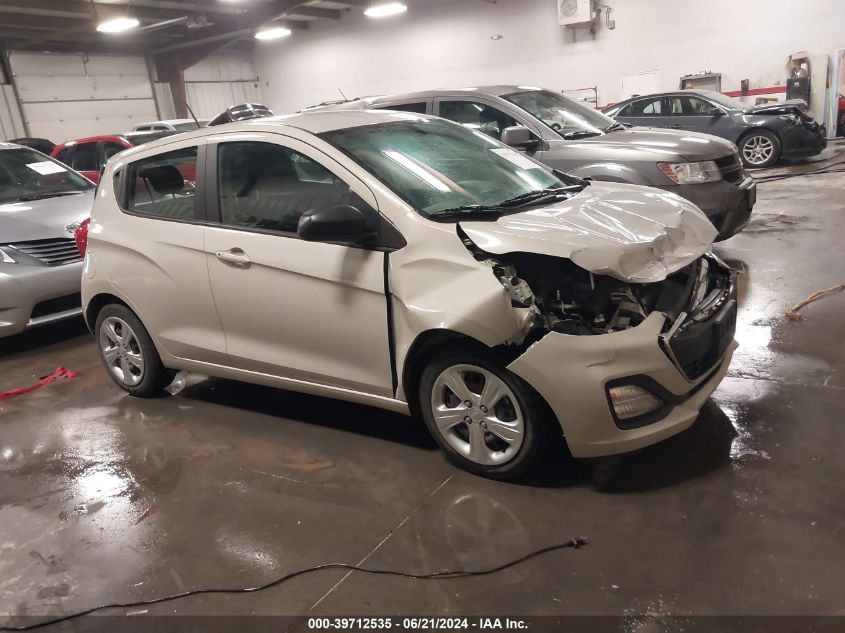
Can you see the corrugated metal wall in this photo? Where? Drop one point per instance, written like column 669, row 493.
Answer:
column 11, row 123
column 68, row 96
column 220, row 81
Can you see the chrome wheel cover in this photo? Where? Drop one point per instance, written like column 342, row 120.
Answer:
column 757, row 150
column 121, row 351
column 477, row 414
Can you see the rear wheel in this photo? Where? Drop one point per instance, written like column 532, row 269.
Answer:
column 486, row 419
column 128, row 353
column 759, row 148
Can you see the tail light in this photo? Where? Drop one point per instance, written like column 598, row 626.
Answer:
column 81, row 236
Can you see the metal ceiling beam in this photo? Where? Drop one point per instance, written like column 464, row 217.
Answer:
column 51, row 8
column 315, row 12
column 244, row 24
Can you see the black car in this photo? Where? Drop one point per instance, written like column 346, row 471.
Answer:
column 763, row 133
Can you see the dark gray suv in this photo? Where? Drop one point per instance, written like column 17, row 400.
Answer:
column 579, row 140
column 763, row 133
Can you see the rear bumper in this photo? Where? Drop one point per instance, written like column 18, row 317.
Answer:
column 572, row 374
column 728, row 205
column 23, row 287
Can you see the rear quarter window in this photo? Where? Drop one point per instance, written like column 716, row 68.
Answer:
column 163, row 186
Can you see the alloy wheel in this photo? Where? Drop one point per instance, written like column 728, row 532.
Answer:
column 758, row 150
column 477, row 414
column 121, row 351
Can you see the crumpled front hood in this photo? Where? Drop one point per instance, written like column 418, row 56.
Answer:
column 43, row 219
column 634, row 234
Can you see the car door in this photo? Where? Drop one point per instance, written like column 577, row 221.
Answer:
column 649, row 111
column 307, row 311
column 155, row 254
column 700, row 115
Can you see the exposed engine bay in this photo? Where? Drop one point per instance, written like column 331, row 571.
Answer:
column 568, row 299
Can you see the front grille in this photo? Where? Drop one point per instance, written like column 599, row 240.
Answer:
column 731, row 168
column 54, row 306
column 56, row 252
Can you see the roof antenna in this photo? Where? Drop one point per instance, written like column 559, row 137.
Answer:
column 342, row 95
column 194, row 116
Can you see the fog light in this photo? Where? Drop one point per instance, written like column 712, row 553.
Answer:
column 631, row 401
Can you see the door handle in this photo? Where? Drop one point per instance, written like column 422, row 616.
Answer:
column 233, row 256
column 676, row 126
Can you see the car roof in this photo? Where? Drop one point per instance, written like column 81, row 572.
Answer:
column 313, row 122
column 670, row 93
column 490, row 91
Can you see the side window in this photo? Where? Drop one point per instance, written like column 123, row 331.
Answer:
column 678, row 106
column 645, row 107
column 85, row 157
column 163, row 186
column 700, row 107
column 477, row 116
column 65, row 156
column 110, row 149
column 418, row 107
column 267, row 186
column 142, row 128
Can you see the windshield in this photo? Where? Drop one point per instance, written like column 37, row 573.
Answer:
column 435, row 165
column 29, row 175
column 566, row 117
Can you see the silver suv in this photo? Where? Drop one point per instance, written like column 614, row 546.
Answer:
column 577, row 139
column 408, row 263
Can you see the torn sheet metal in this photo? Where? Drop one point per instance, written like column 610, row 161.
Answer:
column 633, row 234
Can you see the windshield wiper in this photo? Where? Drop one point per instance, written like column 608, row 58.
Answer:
column 580, row 134
column 617, row 126
column 541, row 195
column 47, row 194
column 468, row 211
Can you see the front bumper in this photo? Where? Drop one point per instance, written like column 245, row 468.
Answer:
column 24, row 287
column 802, row 140
column 572, row 374
column 728, row 205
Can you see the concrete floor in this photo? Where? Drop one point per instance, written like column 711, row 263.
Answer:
column 108, row 498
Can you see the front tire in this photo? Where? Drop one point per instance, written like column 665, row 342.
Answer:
column 760, row 148
column 486, row 419
column 128, row 353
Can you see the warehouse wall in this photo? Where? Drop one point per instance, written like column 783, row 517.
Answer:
column 220, row 81
column 441, row 43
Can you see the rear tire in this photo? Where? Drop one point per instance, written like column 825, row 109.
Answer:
column 128, row 353
column 486, row 419
column 760, row 148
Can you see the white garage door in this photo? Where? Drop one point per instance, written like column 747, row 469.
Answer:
column 69, row 96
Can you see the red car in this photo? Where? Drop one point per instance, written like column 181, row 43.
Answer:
column 89, row 155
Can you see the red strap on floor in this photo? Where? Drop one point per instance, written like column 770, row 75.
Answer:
column 61, row 372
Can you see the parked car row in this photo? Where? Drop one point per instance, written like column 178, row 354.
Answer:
column 453, row 255
column 574, row 138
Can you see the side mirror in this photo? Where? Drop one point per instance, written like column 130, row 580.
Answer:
column 339, row 223
column 519, row 136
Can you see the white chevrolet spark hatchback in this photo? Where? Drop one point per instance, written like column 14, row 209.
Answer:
column 410, row 263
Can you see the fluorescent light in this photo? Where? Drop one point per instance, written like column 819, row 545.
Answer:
column 273, row 33
column 118, row 25
column 385, row 8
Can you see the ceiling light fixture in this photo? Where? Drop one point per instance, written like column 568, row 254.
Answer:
column 384, row 9
column 273, row 33
column 118, row 25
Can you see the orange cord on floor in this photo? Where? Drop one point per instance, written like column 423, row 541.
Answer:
column 792, row 313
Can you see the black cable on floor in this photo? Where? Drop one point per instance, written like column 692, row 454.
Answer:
column 437, row 575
